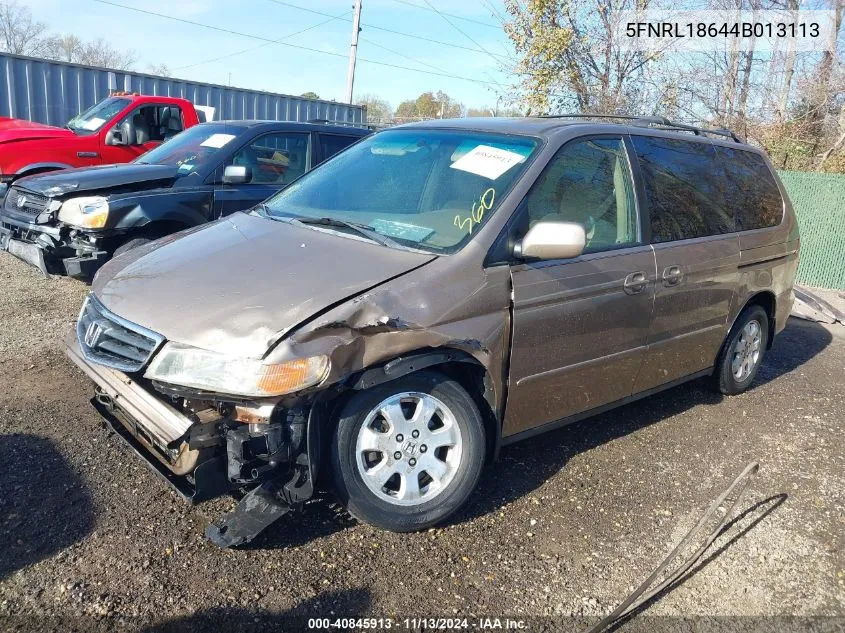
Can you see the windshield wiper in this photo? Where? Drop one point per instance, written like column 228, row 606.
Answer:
column 361, row 229
column 262, row 210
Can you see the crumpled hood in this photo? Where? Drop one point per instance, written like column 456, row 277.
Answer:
column 19, row 130
column 238, row 285
column 59, row 183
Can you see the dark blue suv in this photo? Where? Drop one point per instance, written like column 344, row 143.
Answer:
column 72, row 221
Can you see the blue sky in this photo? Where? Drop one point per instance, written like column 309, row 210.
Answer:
column 184, row 48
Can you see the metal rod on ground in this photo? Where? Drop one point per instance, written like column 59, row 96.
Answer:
column 637, row 598
column 353, row 51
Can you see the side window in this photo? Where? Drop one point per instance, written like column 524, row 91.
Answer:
column 331, row 144
column 684, row 187
column 154, row 123
column 588, row 182
column 751, row 189
column 169, row 121
column 275, row 159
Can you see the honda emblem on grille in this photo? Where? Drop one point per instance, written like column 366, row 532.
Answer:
column 21, row 202
column 92, row 334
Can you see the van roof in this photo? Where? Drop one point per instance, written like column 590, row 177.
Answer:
column 305, row 126
column 547, row 126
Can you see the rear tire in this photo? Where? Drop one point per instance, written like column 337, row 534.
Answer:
column 743, row 352
column 408, row 453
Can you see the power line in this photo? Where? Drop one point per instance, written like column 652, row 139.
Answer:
column 387, row 30
column 255, row 48
column 493, row 11
column 289, row 45
column 451, row 15
column 390, row 50
column 459, row 29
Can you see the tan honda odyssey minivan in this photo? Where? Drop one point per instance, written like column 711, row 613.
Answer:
column 435, row 291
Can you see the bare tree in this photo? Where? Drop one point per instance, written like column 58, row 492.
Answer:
column 101, row 53
column 789, row 68
column 162, row 70
column 65, row 48
column 820, row 94
column 20, row 34
column 570, row 54
column 378, row 109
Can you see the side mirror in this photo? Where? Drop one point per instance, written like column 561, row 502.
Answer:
column 553, row 240
column 237, row 175
column 115, row 137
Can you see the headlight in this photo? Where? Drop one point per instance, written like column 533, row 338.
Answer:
column 88, row 212
column 209, row 371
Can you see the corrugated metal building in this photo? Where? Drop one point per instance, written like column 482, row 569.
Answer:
column 53, row 92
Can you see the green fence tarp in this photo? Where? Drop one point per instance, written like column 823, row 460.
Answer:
column 819, row 201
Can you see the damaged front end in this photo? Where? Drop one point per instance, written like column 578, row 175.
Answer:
column 205, row 447
column 30, row 231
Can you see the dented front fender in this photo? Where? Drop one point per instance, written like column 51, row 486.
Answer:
column 439, row 306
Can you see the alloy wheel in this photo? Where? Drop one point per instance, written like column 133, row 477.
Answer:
column 409, row 448
column 746, row 351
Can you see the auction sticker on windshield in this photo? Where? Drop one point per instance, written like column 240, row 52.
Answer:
column 217, row 140
column 488, row 162
column 93, row 124
column 402, row 230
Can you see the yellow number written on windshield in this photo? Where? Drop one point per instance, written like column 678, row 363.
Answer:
column 479, row 208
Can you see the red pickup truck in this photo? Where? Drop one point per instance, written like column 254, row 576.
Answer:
column 116, row 130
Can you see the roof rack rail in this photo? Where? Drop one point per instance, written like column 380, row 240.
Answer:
column 342, row 123
column 647, row 121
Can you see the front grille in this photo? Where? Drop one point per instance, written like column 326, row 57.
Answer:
column 109, row 340
column 21, row 201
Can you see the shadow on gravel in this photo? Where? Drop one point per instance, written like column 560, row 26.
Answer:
column 526, row 465
column 44, row 506
column 320, row 517
column 744, row 522
column 353, row 603
column 798, row 343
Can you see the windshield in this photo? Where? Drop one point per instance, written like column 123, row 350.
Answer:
column 194, row 148
column 97, row 116
column 429, row 189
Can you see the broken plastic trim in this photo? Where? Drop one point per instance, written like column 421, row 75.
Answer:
column 409, row 363
column 275, row 497
column 254, row 513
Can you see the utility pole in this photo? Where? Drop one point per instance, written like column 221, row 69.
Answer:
column 353, row 51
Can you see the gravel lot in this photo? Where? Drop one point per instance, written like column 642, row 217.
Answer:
column 565, row 524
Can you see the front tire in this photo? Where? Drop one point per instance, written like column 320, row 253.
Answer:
column 408, row 453
column 743, row 351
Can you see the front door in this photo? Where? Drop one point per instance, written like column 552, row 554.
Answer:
column 580, row 326
column 274, row 161
column 141, row 130
column 697, row 253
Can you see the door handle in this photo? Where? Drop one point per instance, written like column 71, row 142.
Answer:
column 635, row 282
column 672, row 276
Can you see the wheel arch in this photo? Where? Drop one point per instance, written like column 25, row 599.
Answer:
column 766, row 300
column 456, row 364
column 39, row 168
column 164, row 226
column 150, row 230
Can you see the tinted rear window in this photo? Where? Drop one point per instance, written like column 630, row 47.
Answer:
column 331, row 144
column 684, row 187
column 751, row 189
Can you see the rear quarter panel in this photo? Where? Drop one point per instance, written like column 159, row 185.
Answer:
column 769, row 261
